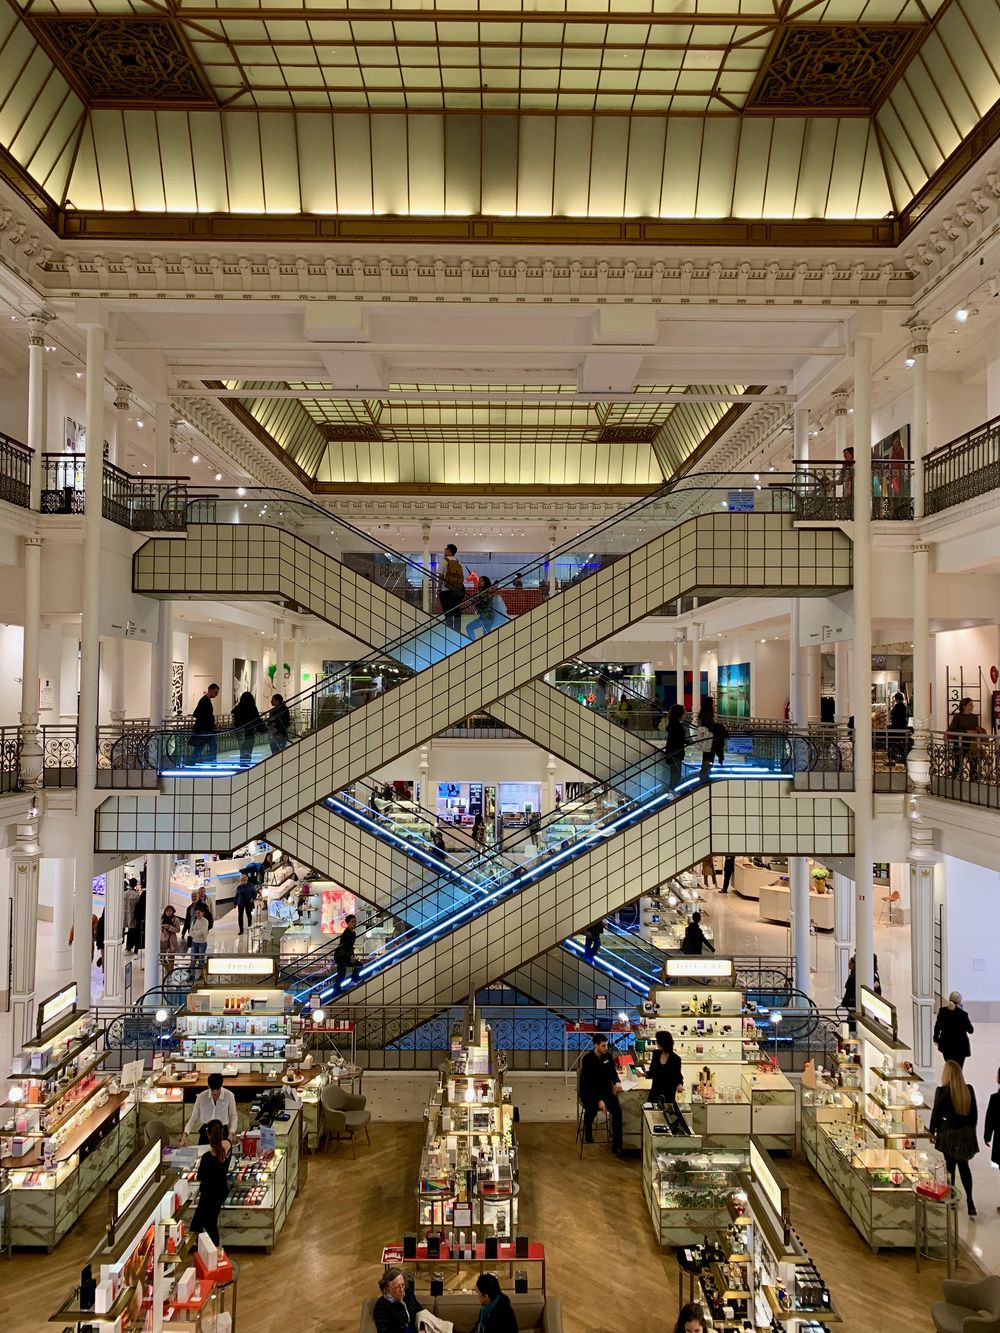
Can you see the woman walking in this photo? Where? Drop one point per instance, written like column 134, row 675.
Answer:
column 170, row 924
column 952, row 1030
column 953, row 1125
column 246, row 723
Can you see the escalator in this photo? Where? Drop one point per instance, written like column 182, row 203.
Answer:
column 756, row 553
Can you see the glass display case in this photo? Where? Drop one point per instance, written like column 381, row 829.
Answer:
column 687, row 1187
column 664, row 915
column 468, row 1165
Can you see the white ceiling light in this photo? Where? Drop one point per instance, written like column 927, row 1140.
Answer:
column 218, row 476
column 241, row 490
column 961, row 315
column 196, row 458
column 909, row 363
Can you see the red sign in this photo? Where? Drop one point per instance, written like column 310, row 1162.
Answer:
column 994, row 675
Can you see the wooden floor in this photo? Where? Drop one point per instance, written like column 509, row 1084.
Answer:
column 602, row 1259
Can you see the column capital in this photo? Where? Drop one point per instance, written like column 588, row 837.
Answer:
column 37, row 321
column 920, row 548
column 919, row 337
column 123, row 397
column 840, row 401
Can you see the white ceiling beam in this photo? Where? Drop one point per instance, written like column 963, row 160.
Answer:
column 602, row 373
column 476, row 396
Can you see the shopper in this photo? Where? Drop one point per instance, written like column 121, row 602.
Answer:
column 691, row 1320
column 728, row 870
column 953, row 1125
column 203, row 729
column 343, row 954
column 676, row 743
column 139, row 920
column 199, row 898
column 170, row 926
column 247, row 724
column 491, row 607
column 666, row 1074
column 397, row 1310
column 592, row 940
column 847, row 474
column 952, row 1030
column 598, row 1091
column 213, row 1179
column 849, row 999
column 246, row 896
column 695, row 941
column 991, row 1127
column 279, row 723
column 496, row 1314
column 438, row 849
column 709, row 737
column 214, row 1103
column 479, row 832
column 899, row 729
column 198, row 935
column 962, row 725
column 452, row 590
column 129, row 916
column 708, row 872
column 98, row 940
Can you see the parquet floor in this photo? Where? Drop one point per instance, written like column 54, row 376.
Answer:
column 602, row 1259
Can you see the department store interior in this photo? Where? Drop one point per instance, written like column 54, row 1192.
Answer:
column 500, row 666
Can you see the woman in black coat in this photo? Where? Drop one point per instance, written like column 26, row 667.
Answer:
column 953, row 1126
column 213, row 1177
column 247, row 723
column 496, row 1314
column 991, row 1126
column 952, row 1030
column 676, row 744
column 665, row 1072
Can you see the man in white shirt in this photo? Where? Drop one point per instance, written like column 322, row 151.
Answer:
column 215, row 1103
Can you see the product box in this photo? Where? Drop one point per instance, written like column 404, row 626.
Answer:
column 208, row 1251
column 104, row 1297
column 186, row 1286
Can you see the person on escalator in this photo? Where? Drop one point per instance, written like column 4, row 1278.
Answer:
column 279, row 723
column 203, row 728
column 695, row 941
column 676, row 744
column 592, row 940
column 711, row 737
column 343, row 955
column 452, row 590
column 247, row 722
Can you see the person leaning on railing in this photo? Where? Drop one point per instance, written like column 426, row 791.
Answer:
column 964, row 732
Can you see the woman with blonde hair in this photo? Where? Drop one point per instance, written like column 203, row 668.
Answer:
column 953, row 1126
column 952, row 1029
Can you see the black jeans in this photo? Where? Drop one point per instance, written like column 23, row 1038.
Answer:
column 728, row 867
column 451, row 601
column 244, row 912
column 342, row 967
column 614, row 1111
column 965, row 1174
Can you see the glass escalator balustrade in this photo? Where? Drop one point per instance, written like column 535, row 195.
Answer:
column 458, row 893
column 178, row 752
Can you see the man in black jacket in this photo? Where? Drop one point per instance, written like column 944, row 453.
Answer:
column 397, row 1309
column 599, row 1089
column 343, row 954
column 203, row 730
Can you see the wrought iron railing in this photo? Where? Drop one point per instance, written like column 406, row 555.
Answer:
column 10, row 759
column 965, row 766
column 827, row 490
column 964, row 467
column 141, row 503
column 15, row 472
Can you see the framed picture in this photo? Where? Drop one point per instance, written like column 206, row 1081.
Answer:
column 244, row 677
column 890, row 455
column 734, row 690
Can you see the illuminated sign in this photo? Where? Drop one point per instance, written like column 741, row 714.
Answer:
column 137, row 1180
column 770, row 1184
column 711, row 969
column 223, row 966
column 877, row 1010
column 57, row 1005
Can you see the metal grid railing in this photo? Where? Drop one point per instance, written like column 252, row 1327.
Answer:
column 140, row 503
column 827, row 491
column 963, row 468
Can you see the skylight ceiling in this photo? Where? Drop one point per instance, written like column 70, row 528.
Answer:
column 336, row 444
column 658, row 109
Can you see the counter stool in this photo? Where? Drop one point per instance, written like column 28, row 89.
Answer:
column 580, row 1137
column 936, row 1229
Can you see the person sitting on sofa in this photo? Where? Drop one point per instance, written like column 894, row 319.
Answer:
column 497, row 1314
column 397, row 1309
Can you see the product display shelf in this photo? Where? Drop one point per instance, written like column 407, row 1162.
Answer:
column 263, row 1183
column 468, row 1165
column 665, row 914
column 687, row 1185
column 148, row 1274
column 460, row 1270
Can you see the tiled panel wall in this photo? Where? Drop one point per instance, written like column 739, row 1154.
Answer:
column 712, row 554
column 732, row 816
column 560, row 980
column 581, row 737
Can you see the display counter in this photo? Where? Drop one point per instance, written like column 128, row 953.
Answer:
column 687, row 1187
column 775, row 905
column 749, row 879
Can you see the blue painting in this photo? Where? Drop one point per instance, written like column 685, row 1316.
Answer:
column 734, row 690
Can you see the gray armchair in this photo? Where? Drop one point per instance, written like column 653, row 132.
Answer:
column 344, row 1114
column 535, row 1313
column 968, row 1307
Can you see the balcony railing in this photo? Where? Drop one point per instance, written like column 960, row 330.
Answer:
column 827, row 492
column 141, row 503
column 963, row 468
column 15, row 472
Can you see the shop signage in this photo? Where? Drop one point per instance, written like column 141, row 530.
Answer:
column 57, row 1006
column 740, row 502
column 770, row 1183
column 876, row 1010
column 223, row 965
column 136, row 1181
column 694, row 969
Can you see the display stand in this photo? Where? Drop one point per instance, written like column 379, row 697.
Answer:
column 863, row 1129
column 665, row 914
column 67, row 1127
column 687, row 1187
column 460, row 1272
column 937, row 1218
column 468, row 1166
column 149, row 1273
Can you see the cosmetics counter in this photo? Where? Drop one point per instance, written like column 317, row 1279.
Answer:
column 687, row 1187
column 665, row 914
column 150, row 1273
column 755, row 1273
column 864, row 1131
column 66, row 1126
column 468, row 1166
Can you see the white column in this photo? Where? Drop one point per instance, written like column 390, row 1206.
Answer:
column 24, row 858
column 993, row 373
column 796, row 676
column 116, row 654
column 296, row 684
column 842, row 682
column 922, row 860
column 861, row 685
column 279, row 659
column 679, row 667
column 59, row 873
column 427, row 591
column 123, row 397
column 843, row 927
column 163, row 653
column 800, row 432
column 31, row 750
column 90, row 650
column 918, row 759
column 114, row 946
column 550, row 785
column 813, row 683
column 695, row 632
column 840, row 416
column 157, row 897
column 798, row 866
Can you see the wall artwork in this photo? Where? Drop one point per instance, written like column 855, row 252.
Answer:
column 176, row 689
column 734, row 690
column 244, row 677
column 890, row 455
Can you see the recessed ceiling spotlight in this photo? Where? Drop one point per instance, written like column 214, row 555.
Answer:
column 218, row 476
column 961, row 315
column 909, row 363
column 196, row 458
column 140, row 424
column 241, row 490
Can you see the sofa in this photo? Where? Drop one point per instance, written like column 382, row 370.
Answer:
column 535, row 1313
column 968, row 1307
